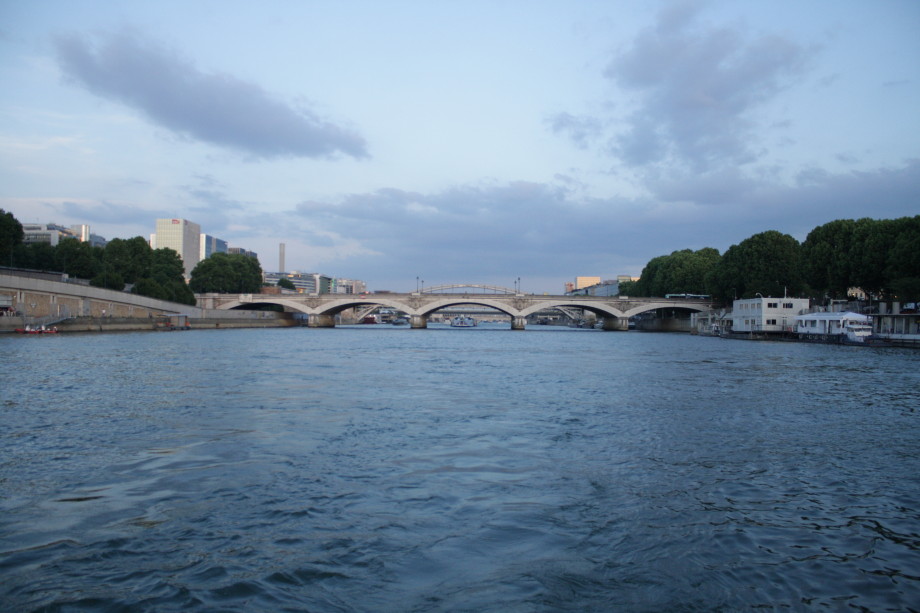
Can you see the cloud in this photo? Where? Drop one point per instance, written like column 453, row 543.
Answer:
column 583, row 130
column 104, row 212
column 211, row 107
column 537, row 230
column 696, row 89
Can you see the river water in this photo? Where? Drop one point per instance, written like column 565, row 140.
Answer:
column 379, row 468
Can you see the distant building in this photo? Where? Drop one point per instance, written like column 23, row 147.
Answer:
column 767, row 315
column 312, row 283
column 83, row 233
column 211, row 245
column 53, row 234
column 242, row 251
column 348, row 286
column 44, row 233
column 602, row 288
column 581, row 282
column 183, row 237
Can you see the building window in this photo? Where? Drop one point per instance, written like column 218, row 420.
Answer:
column 772, row 305
column 787, row 305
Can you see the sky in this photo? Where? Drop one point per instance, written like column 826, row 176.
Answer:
column 408, row 142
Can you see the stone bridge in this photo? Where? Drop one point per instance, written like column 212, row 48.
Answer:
column 321, row 310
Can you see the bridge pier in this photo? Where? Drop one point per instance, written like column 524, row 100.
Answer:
column 616, row 323
column 518, row 323
column 320, row 320
column 418, row 322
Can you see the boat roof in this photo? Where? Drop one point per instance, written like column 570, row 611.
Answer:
column 838, row 316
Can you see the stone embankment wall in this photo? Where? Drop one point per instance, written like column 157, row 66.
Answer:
column 210, row 321
column 36, row 299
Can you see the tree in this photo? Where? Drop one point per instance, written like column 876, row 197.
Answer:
column 227, row 273
column 827, row 257
column 902, row 269
column 768, row 263
column 682, row 272
column 286, row 283
column 130, row 258
column 11, row 235
column 108, row 279
column 77, row 259
column 627, row 288
column 37, row 256
column 164, row 278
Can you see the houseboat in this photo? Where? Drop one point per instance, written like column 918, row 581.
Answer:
column 843, row 327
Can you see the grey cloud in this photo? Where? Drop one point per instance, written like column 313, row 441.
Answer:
column 696, row 89
column 494, row 233
column 211, row 107
column 582, row 130
column 104, row 212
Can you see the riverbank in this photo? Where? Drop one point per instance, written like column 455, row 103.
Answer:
column 211, row 320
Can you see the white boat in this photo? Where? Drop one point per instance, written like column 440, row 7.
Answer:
column 461, row 321
column 842, row 327
column 857, row 332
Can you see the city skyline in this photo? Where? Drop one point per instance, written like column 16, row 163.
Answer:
column 482, row 142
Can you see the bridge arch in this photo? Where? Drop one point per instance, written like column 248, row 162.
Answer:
column 496, row 289
column 666, row 304
column 322, row 309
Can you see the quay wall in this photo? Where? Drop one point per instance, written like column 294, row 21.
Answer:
column 75, row 307
column 209, row 320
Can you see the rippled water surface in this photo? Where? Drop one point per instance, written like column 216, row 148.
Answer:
column 386, row 469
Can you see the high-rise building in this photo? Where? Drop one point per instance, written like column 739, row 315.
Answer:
column 211, row 245
column 281, row 257
column 182, row 236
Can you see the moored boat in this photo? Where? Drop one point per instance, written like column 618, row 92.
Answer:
column 37, row 330
column 837, row 327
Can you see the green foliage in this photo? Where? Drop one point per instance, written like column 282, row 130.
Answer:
column 682, row 272
column 108, row 279
column 11, row 236
column 286, row 283
column 769, row 263
column 226, row 274
column 78, row 259
column 164, row 278
column 130, row 258
column 881, row 257
column 902, row 267
column 628, row 288
column 37, row 256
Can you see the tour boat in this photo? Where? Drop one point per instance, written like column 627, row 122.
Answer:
column 462, row 322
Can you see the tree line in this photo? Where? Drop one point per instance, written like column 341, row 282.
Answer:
column 156, row 273
column 880, row 257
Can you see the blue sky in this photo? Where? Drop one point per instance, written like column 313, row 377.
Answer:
column 461, row 141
